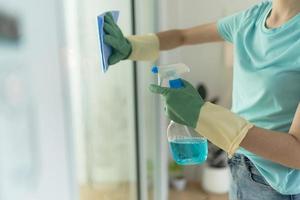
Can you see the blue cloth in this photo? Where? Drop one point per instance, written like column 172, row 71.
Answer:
column 266, row 81
column 105, row 50
column 248, row 183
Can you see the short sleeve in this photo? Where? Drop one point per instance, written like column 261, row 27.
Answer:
column 230, row 25
column 227, row 26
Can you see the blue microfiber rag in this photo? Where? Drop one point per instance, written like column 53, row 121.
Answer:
column 105, row 50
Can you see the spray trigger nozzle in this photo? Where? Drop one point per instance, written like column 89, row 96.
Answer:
column 154, row 69
column 170, row 73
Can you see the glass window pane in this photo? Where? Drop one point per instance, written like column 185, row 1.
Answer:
column 108, row 111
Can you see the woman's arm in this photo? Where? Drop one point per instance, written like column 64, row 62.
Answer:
column 282, row 148
column 278, row 147
column 147, row 47
column 195, row 35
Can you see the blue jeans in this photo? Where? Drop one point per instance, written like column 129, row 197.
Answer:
column 248, row 184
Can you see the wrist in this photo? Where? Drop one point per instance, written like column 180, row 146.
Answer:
column 144, row 47
column 222, row 127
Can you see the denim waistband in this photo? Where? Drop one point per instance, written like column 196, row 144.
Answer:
column 246, row 175
column 240, row 159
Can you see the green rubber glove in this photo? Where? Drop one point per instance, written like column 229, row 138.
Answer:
column 182, row 105
column 219, row 125
column 121, row 47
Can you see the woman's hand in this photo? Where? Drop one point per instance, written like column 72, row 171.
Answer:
column 220, row 126
column 121, row 47
column 182, row 105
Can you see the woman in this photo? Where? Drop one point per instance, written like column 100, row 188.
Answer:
column 266, row 92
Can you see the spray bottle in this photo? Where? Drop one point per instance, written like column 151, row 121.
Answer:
column 186, row 145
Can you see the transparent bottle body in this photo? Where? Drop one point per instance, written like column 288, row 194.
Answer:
column 186, row 145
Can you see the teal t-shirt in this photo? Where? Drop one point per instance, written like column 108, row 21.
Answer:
column 266, row 81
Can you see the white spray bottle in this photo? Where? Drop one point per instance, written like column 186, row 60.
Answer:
column 187, row 146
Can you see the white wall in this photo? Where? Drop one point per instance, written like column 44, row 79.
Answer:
column 207, row 60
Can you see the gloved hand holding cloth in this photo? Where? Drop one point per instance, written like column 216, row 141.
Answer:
column 136, row 47
column 219, row 125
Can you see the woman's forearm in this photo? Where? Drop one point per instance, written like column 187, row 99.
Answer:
column 170, row 39
column 283, row 148
column 196, row 35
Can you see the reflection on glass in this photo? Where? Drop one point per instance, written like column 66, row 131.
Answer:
column 9, row 28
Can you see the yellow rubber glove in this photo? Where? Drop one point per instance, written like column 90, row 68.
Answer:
column 222, row 127
column 144, row 47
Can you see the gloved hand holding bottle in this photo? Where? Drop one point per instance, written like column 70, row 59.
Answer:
column 219, row 125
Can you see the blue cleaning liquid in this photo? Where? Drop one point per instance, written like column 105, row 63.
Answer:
column 189, row 151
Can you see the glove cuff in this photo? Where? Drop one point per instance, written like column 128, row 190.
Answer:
column 222, row 127
column 144, row 47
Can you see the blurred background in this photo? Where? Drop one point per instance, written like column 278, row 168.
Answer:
column 68, row 131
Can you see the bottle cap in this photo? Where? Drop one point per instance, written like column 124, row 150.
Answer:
column 176, row 83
